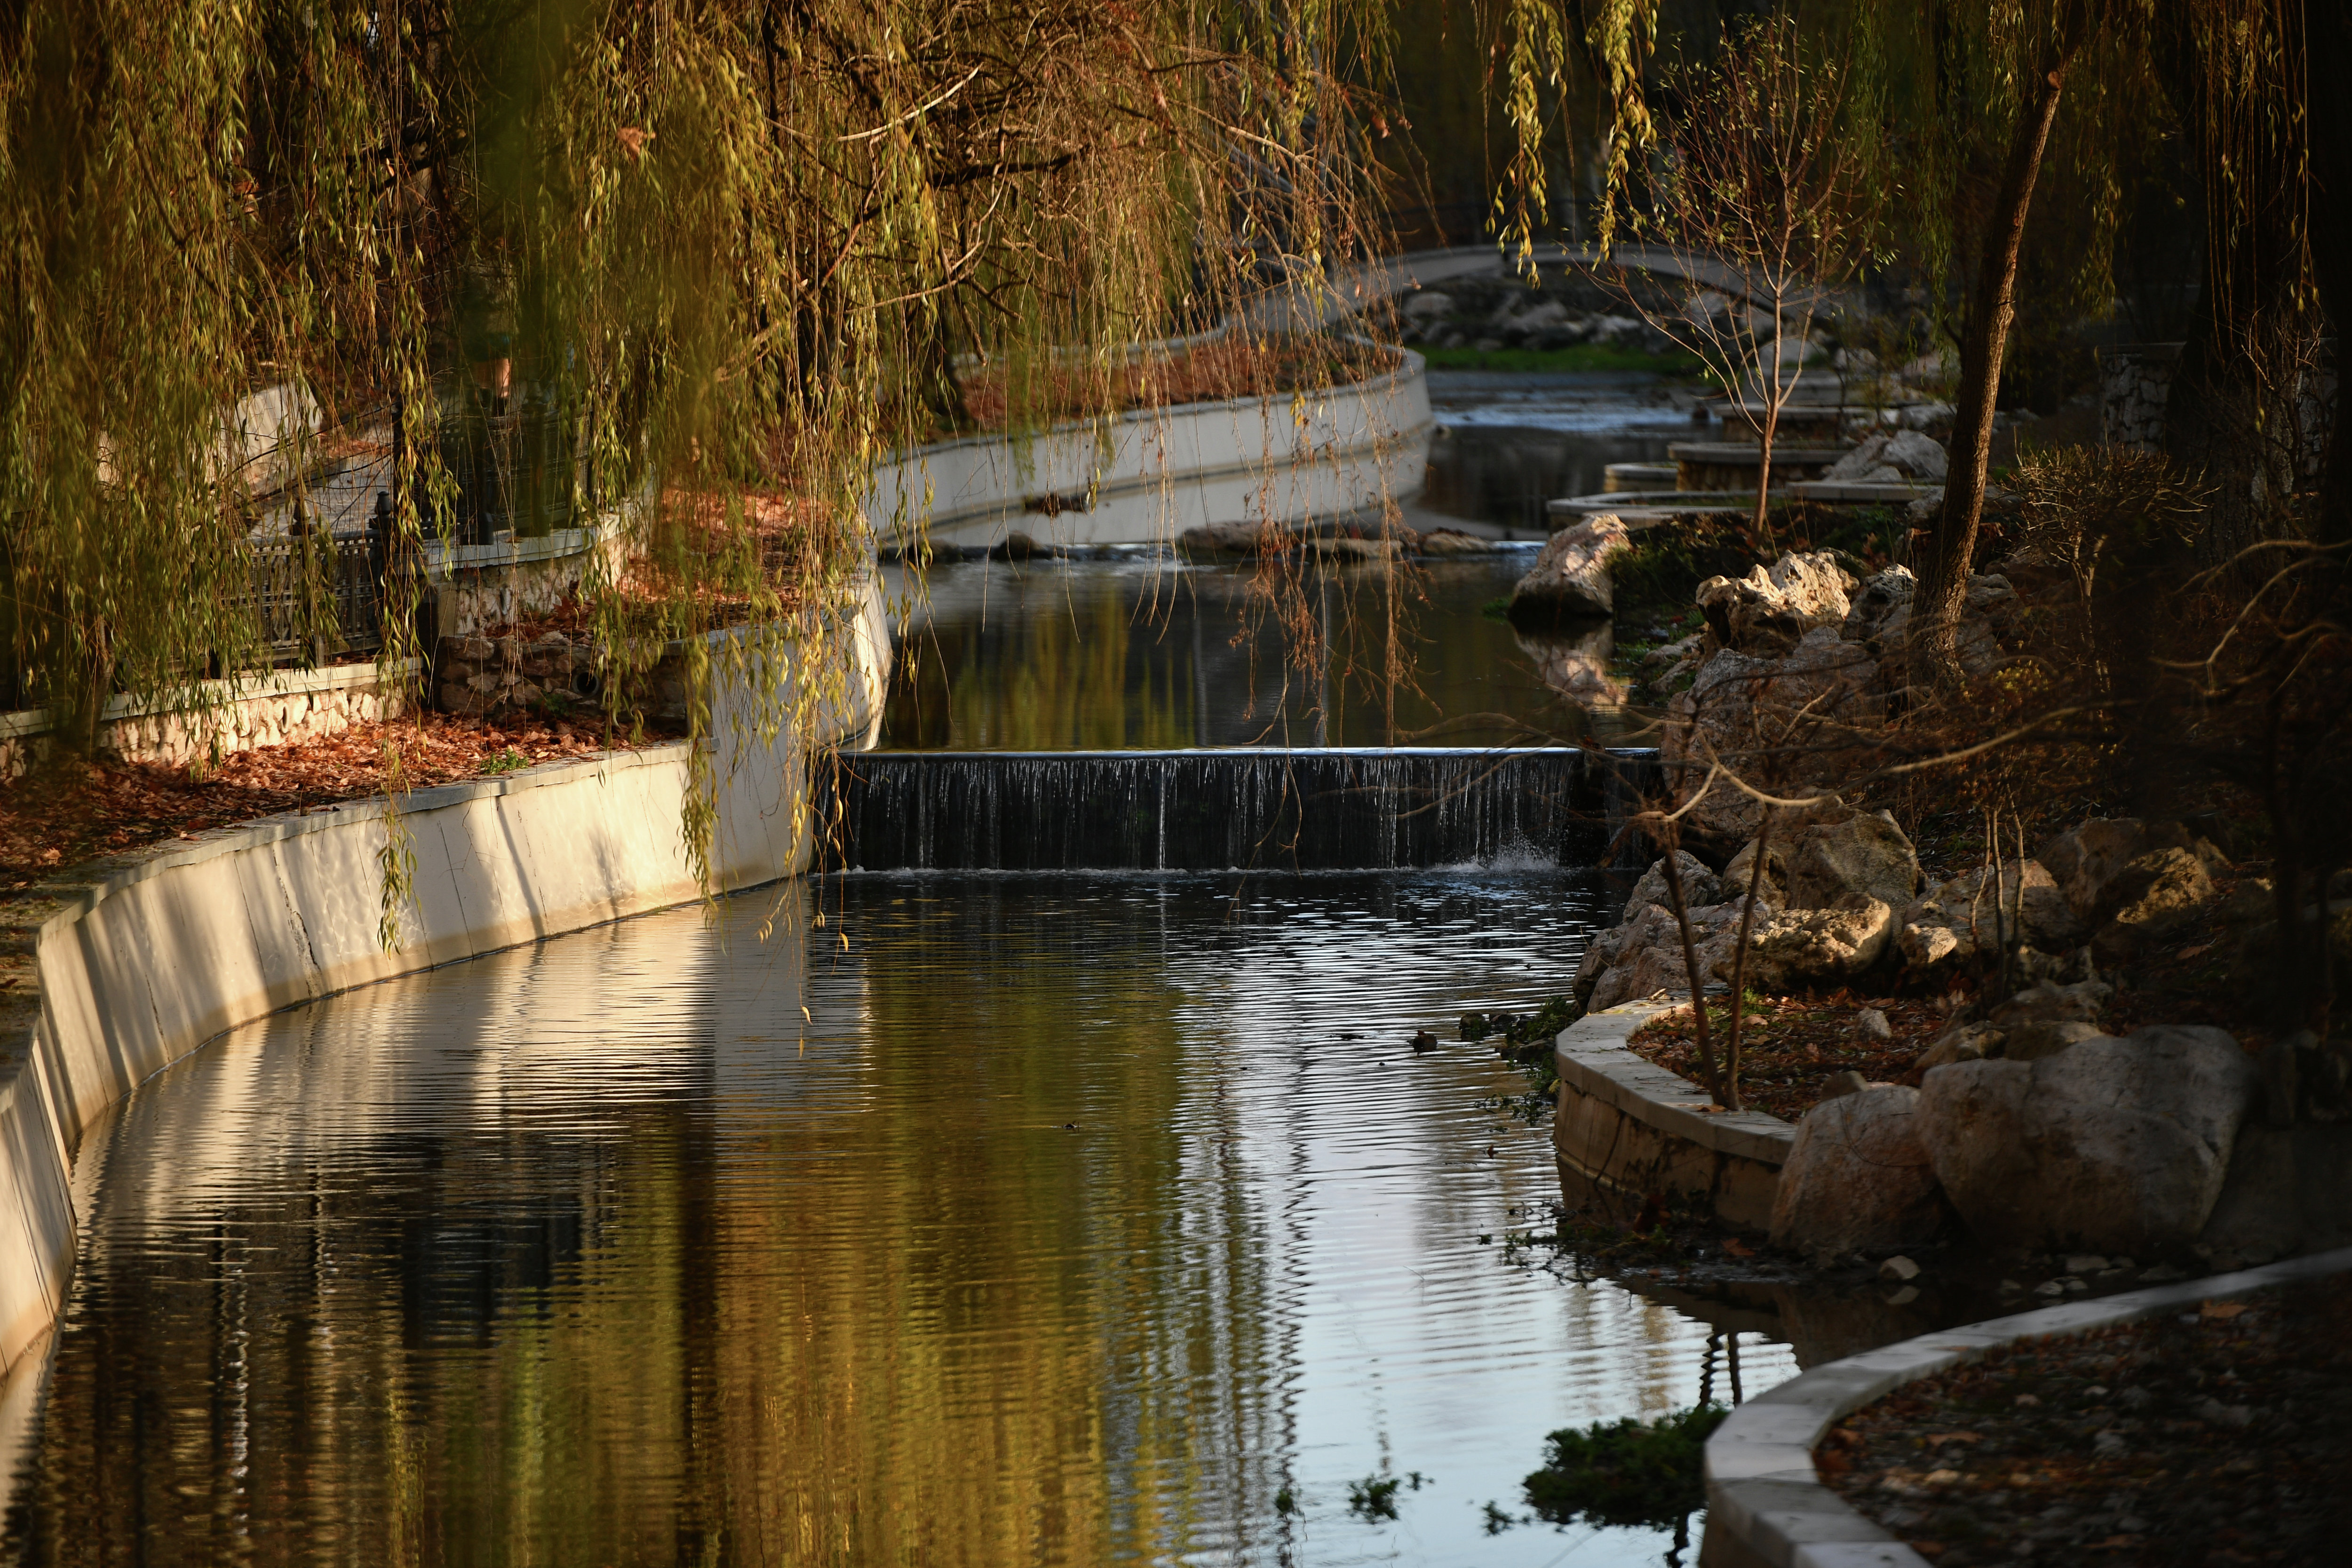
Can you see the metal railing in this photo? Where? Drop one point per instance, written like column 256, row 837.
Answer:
column 317, row 595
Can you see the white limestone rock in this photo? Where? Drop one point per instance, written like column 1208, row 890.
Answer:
column 1797, row 947
column 1569, row 580
column 1770, row 609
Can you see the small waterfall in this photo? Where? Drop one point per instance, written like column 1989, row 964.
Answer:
column 1219, row 810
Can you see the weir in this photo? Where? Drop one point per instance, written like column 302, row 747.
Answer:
column 1236, row 809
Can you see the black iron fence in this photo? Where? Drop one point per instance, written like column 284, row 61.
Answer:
column 316, row 596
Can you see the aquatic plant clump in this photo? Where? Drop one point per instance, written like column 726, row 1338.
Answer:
column 1626, row 1472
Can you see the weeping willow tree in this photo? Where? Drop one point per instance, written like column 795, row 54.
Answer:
column 743, row 250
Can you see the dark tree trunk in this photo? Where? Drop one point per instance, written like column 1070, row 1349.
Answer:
column 1983, row 345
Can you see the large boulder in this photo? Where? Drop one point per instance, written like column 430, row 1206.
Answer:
column 1713, row 720
column 1644, row 954
column 2091, row 861
column 1793, row 947
column 2155, row 897
column 1770, row 609
column 1988, row 615
column 1865, row 855
column 1700, row 885
column 1570, row 581
column 2111, row 1145
column 1778, row 722
column 1826, row 690
column 1774, row 888
column 1857, row 1177
column 1953, row 926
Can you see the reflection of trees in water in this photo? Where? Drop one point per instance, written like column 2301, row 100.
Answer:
column 1507, row 474
column 578, row 1299
column 1077, row 657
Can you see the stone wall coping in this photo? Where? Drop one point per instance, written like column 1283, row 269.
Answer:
column 552, row 545
column 1770, row 1505
column 258, row 686
column 1592, row 1059
column 1409, row 364
column 46, row 908
column 1146, row 474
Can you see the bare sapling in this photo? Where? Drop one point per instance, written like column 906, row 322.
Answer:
column 1984, row 343
column 1765, row 203
column 1663, row 833
column 1730, row 1096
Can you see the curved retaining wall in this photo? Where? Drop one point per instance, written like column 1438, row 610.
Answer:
column 1632, row 1128
column 1766, row 1505
column 1151, row 473
column 106, row 980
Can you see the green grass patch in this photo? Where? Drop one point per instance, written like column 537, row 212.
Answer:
column 1628, row 1473
column 1584, row 358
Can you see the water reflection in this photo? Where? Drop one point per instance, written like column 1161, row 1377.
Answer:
column 1144, row 652
column 1026, row 1221
column 1505, row 445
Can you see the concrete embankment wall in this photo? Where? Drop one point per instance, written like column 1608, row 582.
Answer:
column 1151, row 474
column 122, row 968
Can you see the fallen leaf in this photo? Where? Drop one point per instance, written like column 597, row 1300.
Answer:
column 1954, row 1437
column 2221, row 1309
column 1736, row 1250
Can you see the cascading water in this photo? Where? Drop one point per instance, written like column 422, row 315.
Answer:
column 1221, row 810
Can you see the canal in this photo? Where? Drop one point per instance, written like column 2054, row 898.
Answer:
column 907, row 1215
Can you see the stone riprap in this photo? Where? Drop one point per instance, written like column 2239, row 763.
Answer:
column 484, row 676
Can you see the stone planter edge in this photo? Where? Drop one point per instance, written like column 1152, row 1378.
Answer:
column 1739, row 1153
column 1768, row 1506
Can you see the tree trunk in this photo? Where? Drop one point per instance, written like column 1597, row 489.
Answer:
column 1982, row 345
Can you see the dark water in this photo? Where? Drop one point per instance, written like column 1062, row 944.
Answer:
column 1147, row 652
column 1018, row 1221
column 1505, row 445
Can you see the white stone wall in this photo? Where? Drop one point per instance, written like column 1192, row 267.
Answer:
column 273, row 709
